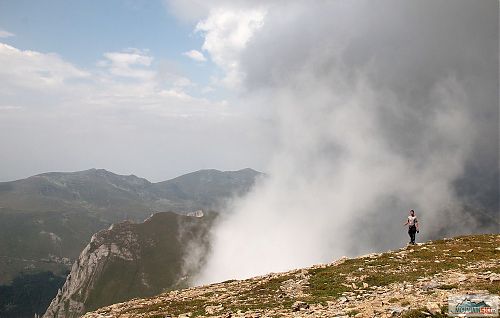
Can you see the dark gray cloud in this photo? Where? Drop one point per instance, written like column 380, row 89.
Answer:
column 379, row 107
column 402, row 47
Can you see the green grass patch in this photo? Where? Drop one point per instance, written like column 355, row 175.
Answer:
column 352, row 313
column 410, row 265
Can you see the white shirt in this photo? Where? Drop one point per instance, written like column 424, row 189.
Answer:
column 412, row 220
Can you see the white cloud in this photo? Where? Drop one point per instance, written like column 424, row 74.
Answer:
column 131, row 63
column 10, row 108
column 35, row 70
column 183, row 82
column 227, row 32
column 195, row 55
column 188, row 11
column 130, row 115
column 207, row 89
column 6, row 34
column 192, row 11
column 124, row 80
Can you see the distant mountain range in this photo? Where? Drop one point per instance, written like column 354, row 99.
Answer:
column 114, row 197
column 46, row 220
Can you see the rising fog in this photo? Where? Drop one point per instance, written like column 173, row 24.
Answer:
column 378, row 107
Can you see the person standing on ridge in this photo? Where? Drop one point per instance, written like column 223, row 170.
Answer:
column 412, row 223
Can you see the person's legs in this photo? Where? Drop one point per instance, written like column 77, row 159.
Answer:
column 412, row 230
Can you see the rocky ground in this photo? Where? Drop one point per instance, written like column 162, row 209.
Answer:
column 414, row 281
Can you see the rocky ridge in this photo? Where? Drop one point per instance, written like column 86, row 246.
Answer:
column 414, row 281
column 130, row 260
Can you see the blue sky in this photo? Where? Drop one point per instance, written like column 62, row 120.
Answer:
column 82, row 31
column 129, row 86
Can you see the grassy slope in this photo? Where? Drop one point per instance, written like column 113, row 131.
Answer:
column 326, row 283
column 28, row 238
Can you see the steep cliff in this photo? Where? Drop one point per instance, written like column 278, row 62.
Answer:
column 133, row 260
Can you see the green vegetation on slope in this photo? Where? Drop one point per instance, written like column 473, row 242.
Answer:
column 46, row 220
column 42, row 241
column 28, row 294
column 421, row 261
column 401, row 282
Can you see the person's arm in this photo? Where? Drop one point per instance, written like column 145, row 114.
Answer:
column 407, row 221
column 416, row 224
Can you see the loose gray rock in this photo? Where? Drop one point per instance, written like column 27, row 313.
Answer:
column 300, row 305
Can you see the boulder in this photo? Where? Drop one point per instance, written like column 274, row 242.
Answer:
column 300, row 305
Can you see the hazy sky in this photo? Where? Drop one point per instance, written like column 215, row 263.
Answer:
column 120, row 85
column 161, row 88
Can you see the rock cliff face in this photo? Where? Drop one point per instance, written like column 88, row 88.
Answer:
column 414, row 281
column 131, row 260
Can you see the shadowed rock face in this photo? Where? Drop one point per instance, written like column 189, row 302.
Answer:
column 133, row 260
